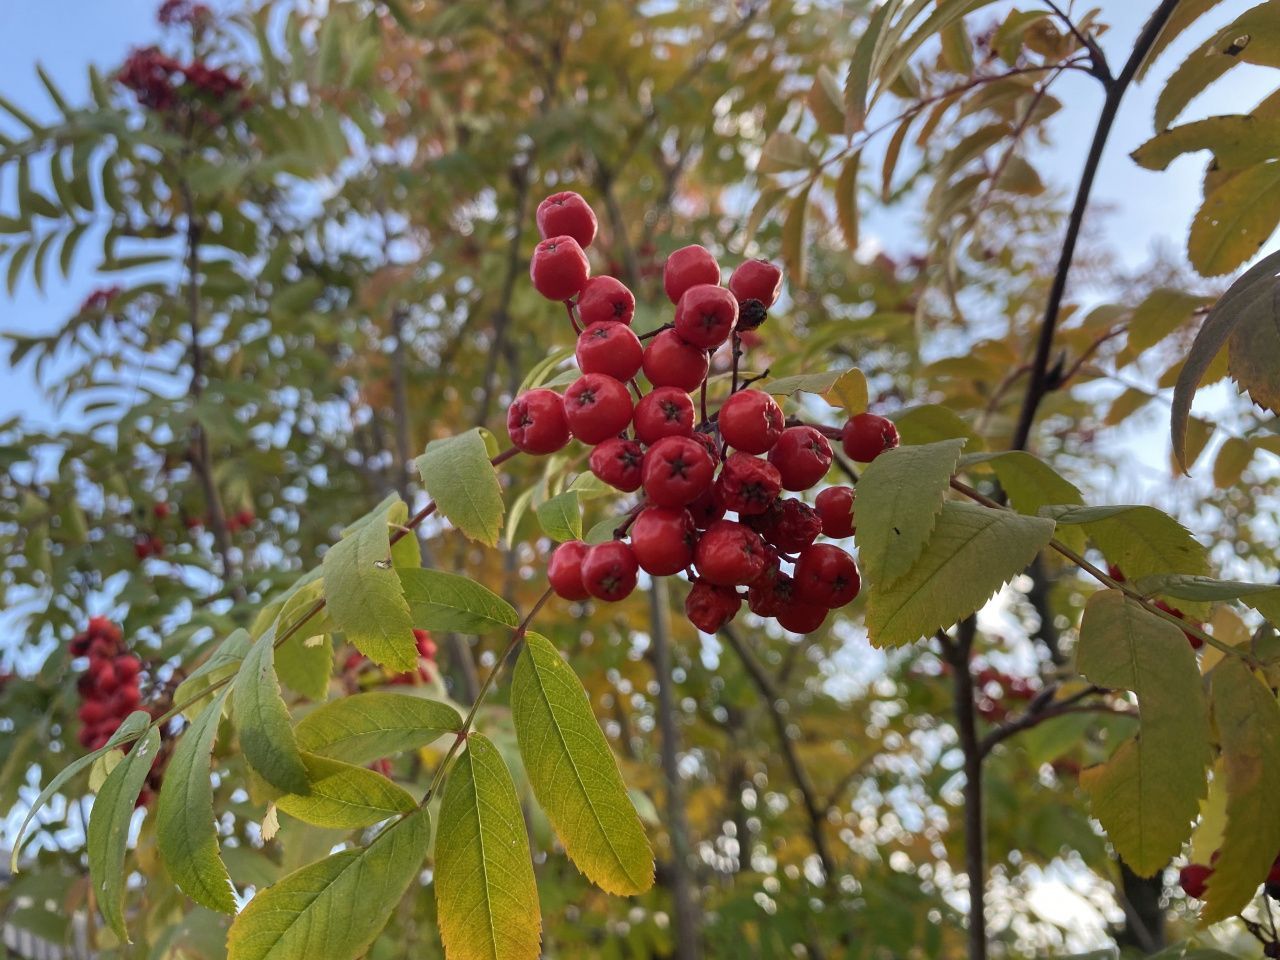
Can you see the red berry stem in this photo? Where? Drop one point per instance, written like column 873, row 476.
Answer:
column 573, row 317
column 628, row 519
column 653, row 333
column 635, row 388
column 702, row 399
column 737, row 354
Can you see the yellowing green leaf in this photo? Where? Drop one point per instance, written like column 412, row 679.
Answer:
column 793, row 229
column 262, row 720
column 848, row 392
column 825, row 102
column 1148, row 792
column 1247, row 717
column 185, row 829
column 783, row 152
column 337, row 905
column 1031, row 485
column 463, row 483
column 345, row 796
column 900, row 495
column 846, row 200
column 365, row 597
column 108, row 833
column 1141, row 540
column 486, row 897
column 1236, row 219
column 972, row 552
column 1236, row 141
column 930, row 422
column 574, row 774
column 1249, row 300
column 451, row 603
column 1230, row 464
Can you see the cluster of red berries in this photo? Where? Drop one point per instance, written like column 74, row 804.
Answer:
column 656, row 442
column 173, row 13
column 108, row 688
column 98, row 300
column 148, row 543
column 1118, row 576
column 1194, row 878
column 995, row 689
column 162, row 83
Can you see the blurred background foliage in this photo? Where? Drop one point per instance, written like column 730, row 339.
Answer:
column 312, row 263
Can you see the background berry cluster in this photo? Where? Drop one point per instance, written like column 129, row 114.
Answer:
column 712, row 478
column 109, row 688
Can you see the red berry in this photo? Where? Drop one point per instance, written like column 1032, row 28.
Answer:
column 161, row 510
column 1273, row 877
column 105, row 678
column 827, row 576
column 770, row 594
column 729, row 554
column 606, row 300
column 564, row 570
column 1194, row 879
column 790, row 525
column 662, row 539
column 688, row 267
column 670, row 362
column 800, row 617
column 611, row 349
column 425, row 643
column 609, row 570
column 866, row 436
column 92, row 712
column 128, row 667
column 597, row 406
column 664, row 412
column 125, row 699
column 756, row 280
column 104, row 628
column 751, row 421
column 79, row 645
column 567, row 215
column 618, row 462
column 802, row 456
column 835, row 506
column 676, row 472
column 709, row 444
column 559, row 268
column 706, row 315
column 536, row 422
column 747, row 484
column 706, row 510
column 709, row 607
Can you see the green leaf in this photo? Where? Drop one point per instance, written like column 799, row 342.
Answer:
column 108, row 833
column 857, row 82
column 486, row 896
column 463, row 483
column 900, row 495
column 542, row 371
column 846, row 200
column 337, row 905
column 366, row 599
column 574, row 774
column 225, row 661
column 305, row 661
column 1032, row 485
column 369, row 726
column 1141, row 540
column 1247, row 717
column 1234, row 456
column 1160, row 314
column 930, row 422
column 561, row 516
column 453, row 604
column 1250, row 300
column 185, row 827
column 971, row 554
column 1265, row 598
column 1149, row 791
column 345, row 796
column 817, row 383
column 1236, row 220
column 130, row 729
column 262, row 720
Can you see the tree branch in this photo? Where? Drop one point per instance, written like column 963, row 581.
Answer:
column 816, row 811
column 1040, row 384
column 683, row 893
